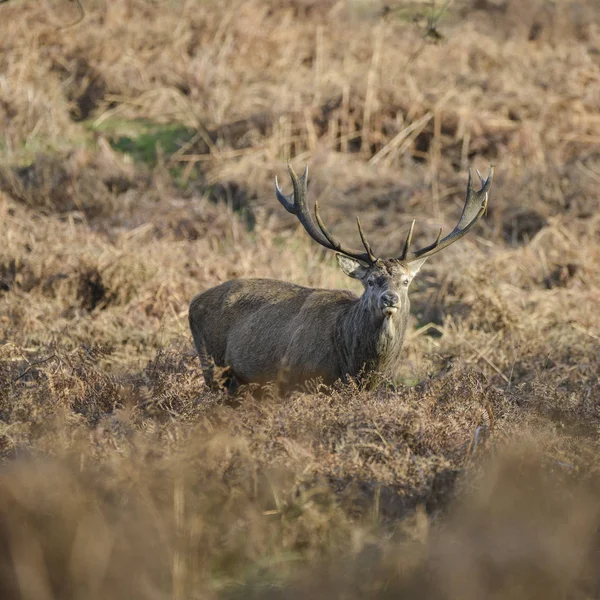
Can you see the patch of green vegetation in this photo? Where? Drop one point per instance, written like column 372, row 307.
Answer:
column 141, row 139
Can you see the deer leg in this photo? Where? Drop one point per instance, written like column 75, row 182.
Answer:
column 233, row 385
column 208, row 366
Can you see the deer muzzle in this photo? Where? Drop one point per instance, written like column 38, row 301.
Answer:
column 389, row 303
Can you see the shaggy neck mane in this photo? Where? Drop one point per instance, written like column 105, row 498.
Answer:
column 364, row 338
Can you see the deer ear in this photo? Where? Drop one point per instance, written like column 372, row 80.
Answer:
column 415, row 266
column 351, row 267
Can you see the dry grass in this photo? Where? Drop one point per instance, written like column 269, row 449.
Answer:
column 138, row 152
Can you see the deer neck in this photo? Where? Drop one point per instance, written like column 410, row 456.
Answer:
column 365, row 338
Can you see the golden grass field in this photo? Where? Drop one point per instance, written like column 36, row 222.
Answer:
column 139, row 145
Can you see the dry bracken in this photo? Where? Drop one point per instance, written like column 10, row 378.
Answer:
column 138, row 149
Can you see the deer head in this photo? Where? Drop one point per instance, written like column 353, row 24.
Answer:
column 386, row 280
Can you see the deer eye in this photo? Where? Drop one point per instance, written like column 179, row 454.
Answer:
column 405, row 282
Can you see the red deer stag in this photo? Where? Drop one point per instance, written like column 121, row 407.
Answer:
column 265, row 330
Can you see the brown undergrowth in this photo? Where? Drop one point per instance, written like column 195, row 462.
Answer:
column 138, row 152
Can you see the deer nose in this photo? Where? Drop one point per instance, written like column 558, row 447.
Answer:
column 390, row 299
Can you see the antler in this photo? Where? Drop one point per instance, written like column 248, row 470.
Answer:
column 295, row 203
column 475, row 206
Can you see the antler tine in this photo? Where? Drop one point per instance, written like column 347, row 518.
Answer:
column 475, row 206
column 295, row 203
column 366, row 244
column 407, row 242
column 366, row 257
